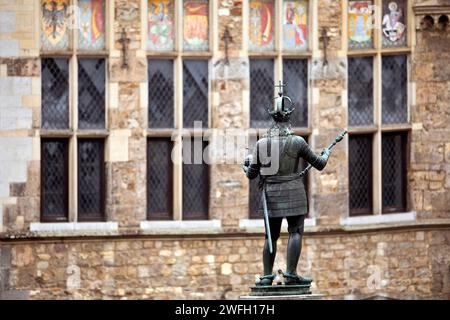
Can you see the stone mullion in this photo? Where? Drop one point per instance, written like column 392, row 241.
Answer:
column 376, row 148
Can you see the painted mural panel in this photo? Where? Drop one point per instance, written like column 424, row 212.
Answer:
column 295, row 25
column 360, row 24
column 261, row 25
column 393, row 23
column 161, row 25
column 54, row 25
column 195, row 25
column 91, row 32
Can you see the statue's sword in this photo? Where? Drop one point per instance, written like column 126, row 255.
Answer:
column 266, row 219
column 338, row 138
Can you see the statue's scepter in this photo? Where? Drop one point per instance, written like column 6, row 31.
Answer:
column 338, row 138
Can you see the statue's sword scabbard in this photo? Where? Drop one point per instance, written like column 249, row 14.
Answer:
column 266, row 219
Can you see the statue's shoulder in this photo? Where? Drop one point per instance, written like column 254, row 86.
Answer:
column 297, row 141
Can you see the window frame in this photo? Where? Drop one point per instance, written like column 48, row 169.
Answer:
column 73, row 133
column 176, row 133
column 378, row 128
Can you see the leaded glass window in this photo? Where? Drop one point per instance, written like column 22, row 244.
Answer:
column 91, row 93
column 195, row 92
column 54, row 178
column 160, row 94
column 261, row 25
column 360, row 91
column 161, row 25
column 159, row 178
column 54, row 25
column 55, row 93
column 195, row 179
column 360, row 24
column 261, row 91
column 91, row 180
column 394, row 171
column 91, row 32
column 394, row 23
column 295, row 76
column 295, row 25
column 394, row 76
column 195, row 25
column 360, row 174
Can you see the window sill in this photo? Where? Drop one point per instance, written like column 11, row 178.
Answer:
column 181, row 227
column 96, row 227
column 378, row 219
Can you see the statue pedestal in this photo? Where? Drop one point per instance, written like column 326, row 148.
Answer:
column 281, row 292
column 287, row 297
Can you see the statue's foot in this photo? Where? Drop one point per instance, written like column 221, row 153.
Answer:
column 265, row 280
column 295, row 279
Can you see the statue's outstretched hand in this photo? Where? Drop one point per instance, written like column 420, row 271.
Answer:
column 325, row 153
column 248, row 159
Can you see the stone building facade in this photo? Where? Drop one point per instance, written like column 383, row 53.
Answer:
column 359, row 243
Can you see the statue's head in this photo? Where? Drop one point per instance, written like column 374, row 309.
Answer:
column 282, row 108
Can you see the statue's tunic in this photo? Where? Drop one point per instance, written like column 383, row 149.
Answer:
column 285, row 192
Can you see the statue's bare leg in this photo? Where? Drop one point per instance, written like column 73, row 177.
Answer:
column 269, row 258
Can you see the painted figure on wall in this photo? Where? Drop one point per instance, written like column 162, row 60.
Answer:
column 55, row 31
column 393, row 26
column 295, row 25
column 91, row 34
column 360, row 15
column 195, row 25
column 261, row 25
column 160, row 25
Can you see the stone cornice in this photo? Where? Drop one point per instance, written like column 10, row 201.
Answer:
column 255, row 233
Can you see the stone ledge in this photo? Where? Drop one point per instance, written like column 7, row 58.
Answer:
column 377, row 219
column 74, row 227
column 180, row 226
column 212, row 230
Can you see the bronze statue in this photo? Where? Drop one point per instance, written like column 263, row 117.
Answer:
column 275, row 160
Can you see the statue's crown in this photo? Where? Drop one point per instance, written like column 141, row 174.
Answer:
column 282, row 107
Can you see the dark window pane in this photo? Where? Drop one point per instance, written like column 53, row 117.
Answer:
column 55, row 93
column 261, row 92
column 394, row 171
column 393, row 23
column 159, row 178
column 160, row 94
column 54, row 179
column 195, row 92
column 195, row 180
column 91, row 93
column 394, row 82
column 91, row 180
column 360, row 174
column 360, row 91
column 295, row 76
